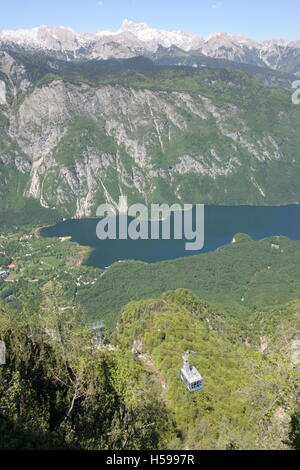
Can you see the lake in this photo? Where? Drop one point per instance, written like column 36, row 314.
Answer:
column 221, row 224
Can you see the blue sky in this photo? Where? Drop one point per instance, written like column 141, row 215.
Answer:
column 258, row 19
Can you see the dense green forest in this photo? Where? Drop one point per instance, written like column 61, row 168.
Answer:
column 240, row 278
column 61, row 390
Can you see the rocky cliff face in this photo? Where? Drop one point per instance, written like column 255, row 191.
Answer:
column 72, row 145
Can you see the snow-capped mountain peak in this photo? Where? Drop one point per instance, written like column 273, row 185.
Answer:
column 47, row 37
column 153, row 38
column 133, row 39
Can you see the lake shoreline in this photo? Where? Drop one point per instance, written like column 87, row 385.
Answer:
column 222, row 224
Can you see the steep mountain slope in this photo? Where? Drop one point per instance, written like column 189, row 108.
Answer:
column 76, row 135
column 176, row 56
column 248, row 386
column 58, row 390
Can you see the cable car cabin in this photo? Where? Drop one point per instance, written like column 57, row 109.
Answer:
column 98, row 328
column 2, row 353
column 192, row 379
column 190, row 375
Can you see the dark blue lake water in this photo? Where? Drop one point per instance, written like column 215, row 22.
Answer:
column 221, row 224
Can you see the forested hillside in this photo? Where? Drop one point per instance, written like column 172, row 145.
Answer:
column 59, row 390
column 240, row 278
column 74, row 135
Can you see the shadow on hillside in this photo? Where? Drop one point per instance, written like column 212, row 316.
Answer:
column 294, row 434
column 14, row 436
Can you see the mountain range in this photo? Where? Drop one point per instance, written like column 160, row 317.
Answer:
column 157, row 116
column 134, row 39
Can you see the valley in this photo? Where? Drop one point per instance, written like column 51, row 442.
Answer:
column 93, row 333
column 236, row 307
column 240, row 278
